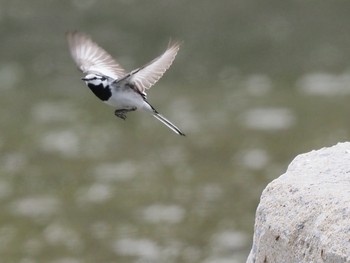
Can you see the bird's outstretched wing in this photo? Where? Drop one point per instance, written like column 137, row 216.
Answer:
column 91, row 58
column 146, row 76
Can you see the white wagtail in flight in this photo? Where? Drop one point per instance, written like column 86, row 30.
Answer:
column 110, row 82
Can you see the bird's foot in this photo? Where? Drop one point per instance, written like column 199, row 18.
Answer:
column 121, row 113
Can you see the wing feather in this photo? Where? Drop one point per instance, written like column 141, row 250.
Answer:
column 145, row 77
column 91, row 58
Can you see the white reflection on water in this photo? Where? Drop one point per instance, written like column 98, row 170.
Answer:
column 5, row 189
column 36, row 207
column 210, row 192
column 269, row 118
column 46, row 112
column 144, row 248
column 226, row 247
column 228, row 242
column 13, row 162
column 100, row 230
column 10, row 75
column 96, row 193
column 222, row 260
column 159, row 213
column 258, row 84
column 65, row 142
column 59, row 235
column 324, row 84
column 254, row 159
column 111, row 172
column 66, row 260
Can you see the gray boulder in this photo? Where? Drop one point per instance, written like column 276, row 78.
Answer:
column 304, row 215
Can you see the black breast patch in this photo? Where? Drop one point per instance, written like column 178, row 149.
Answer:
column 103, row 93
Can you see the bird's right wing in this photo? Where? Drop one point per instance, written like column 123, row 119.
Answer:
column 91, row 58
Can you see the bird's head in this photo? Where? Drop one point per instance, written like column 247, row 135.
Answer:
column 95, row 79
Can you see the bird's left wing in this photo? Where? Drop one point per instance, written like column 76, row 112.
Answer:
column 91, row 58
column 145, row 77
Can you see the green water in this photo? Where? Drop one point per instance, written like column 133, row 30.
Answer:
column 254, row 84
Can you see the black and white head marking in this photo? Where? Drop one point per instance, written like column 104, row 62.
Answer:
column 99, row 85
column 95, row 80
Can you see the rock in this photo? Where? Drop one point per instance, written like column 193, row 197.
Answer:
column 304, row 215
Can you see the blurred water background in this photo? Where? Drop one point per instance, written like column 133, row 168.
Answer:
column 254, row 84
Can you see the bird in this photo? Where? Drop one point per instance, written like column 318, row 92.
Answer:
column 104, row 76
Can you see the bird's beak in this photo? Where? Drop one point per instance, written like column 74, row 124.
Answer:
column 85, row 79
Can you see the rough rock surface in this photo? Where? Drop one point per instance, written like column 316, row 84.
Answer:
column 304, row 215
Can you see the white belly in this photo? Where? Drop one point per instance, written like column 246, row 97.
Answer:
column 126, row 99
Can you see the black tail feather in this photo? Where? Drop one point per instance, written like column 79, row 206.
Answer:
column 167, row 123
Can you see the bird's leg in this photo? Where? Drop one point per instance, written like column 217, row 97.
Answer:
column 121, row 113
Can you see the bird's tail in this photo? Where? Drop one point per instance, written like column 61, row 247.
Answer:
column 168, row 123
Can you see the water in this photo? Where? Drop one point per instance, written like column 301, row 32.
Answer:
column 249, row 87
